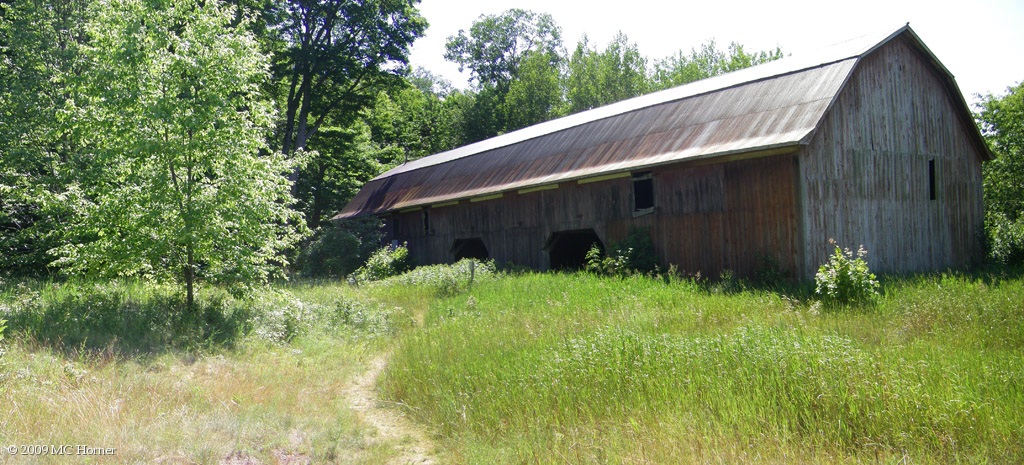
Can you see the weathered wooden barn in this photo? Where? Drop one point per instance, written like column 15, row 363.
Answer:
column 869, row 142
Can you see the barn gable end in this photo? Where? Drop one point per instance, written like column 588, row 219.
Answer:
column 893, row 167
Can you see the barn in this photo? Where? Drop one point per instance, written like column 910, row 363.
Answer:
column 869, row 142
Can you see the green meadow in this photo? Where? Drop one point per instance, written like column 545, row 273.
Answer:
column 521, row 368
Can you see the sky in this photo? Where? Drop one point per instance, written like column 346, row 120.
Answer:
column 980, row 41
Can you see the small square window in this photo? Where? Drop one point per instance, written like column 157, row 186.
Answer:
column 643, row 193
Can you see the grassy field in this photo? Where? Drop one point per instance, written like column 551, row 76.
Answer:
column 530, row 368
column 581, row 369
column 244, row 382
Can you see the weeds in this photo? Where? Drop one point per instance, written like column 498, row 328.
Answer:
column 446, row 280
column 844, row 279
column 384, row 263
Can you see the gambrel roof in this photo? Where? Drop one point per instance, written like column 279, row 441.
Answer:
column 771, row 108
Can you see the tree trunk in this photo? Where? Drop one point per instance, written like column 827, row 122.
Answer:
column 190, row 279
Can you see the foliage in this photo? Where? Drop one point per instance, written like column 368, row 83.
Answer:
column 601, row 78
column 419, row 121
column 1002, row 123
column 497, row 45
column 514, row 59
column 385, row 262
column 1005, row 238
column 634, row 255
column 343, row 160
column 339, row 248
column 707, row 62
column 39, row 56
column 336, row 56
column 611, row 264
column 536, row 95
column 845, row 279
column 180, row 185
column 446, row 279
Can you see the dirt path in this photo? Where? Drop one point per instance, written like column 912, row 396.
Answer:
column 392, row 426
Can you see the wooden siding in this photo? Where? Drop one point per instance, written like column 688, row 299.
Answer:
column 865, row 172
column 708, row 217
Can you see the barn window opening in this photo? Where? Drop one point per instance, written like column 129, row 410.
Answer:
column 643, row 193
column 469, row 248
column 568, row 249
column 931, row 179
column 426, row 222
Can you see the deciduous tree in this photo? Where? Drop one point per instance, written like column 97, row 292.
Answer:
column 1002, row 123
column 706, row 62
column 495, row 50
column 39, row 54
column 181, row 184
column 496, row 45
column 338, row 54
column 600, row 78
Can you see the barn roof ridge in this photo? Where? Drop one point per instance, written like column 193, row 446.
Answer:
column 841, row 51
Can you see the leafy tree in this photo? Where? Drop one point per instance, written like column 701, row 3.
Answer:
column 1002, row 123
column 709, row 61
column 418, row 122
column 39, row 42
column 495, row 50
column 600, row 78
column 181, row 184
column 536, row 96
column 338, row 55
column 348, row 158
column 496, row 45
column 339, row 248
column 339, row 52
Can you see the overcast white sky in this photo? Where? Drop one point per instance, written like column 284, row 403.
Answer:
column 980, row 41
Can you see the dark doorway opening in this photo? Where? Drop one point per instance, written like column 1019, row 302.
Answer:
column 470, row 248
column 568, row 249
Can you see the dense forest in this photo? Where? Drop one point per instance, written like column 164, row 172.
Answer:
column 208, row 141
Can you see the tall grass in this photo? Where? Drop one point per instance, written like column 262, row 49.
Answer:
column 573, row 368
column 254, row 380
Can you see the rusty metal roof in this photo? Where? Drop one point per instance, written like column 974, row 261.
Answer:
column 767, row 107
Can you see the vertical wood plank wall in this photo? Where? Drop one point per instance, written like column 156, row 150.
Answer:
column 708, row 217
column 866, row 171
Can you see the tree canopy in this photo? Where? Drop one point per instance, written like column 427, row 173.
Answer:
column 180, row 183
column 496, row 45
column 599, row 78
column 1002, row 123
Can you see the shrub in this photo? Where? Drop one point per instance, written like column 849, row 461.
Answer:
column 339, row 248
column 1005, row 238
column 633, row 255
column 845, row 279
column 614, row 264
column 384, row 263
